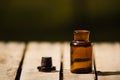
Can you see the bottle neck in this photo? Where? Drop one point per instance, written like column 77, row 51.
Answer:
column 81, row 35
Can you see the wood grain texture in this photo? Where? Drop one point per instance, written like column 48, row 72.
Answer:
column 107, row 58
column 35, row 51
column 10, row 57
column 109, row 77
column 67, row 75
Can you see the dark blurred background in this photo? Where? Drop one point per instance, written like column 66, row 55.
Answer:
column 55, row 20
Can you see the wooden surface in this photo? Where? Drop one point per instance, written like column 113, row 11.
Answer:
column 10, row 57
column 107, row 58
column 67, row 75
column 107, row 61
column 33, row 59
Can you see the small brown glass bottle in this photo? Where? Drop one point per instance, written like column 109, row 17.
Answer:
column 81, row 52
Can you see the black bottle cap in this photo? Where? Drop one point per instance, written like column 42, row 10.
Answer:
column 46, row 65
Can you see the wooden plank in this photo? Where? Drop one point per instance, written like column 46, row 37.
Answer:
column 32, row 59
column 10, row 56
column 107, row 57
column 67, row 75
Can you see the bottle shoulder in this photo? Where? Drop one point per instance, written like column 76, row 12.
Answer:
column 80, row 43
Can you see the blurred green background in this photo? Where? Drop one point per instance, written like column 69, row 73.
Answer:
column 55, row 20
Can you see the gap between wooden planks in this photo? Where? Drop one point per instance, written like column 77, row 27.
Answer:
column 10, row 57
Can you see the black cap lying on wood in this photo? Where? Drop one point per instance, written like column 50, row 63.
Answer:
column 46, row 65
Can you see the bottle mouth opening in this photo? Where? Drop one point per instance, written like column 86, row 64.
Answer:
column 81, row 31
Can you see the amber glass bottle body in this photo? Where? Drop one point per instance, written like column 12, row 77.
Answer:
column 81, row 52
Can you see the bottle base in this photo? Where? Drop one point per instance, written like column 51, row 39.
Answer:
column 82, row 71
